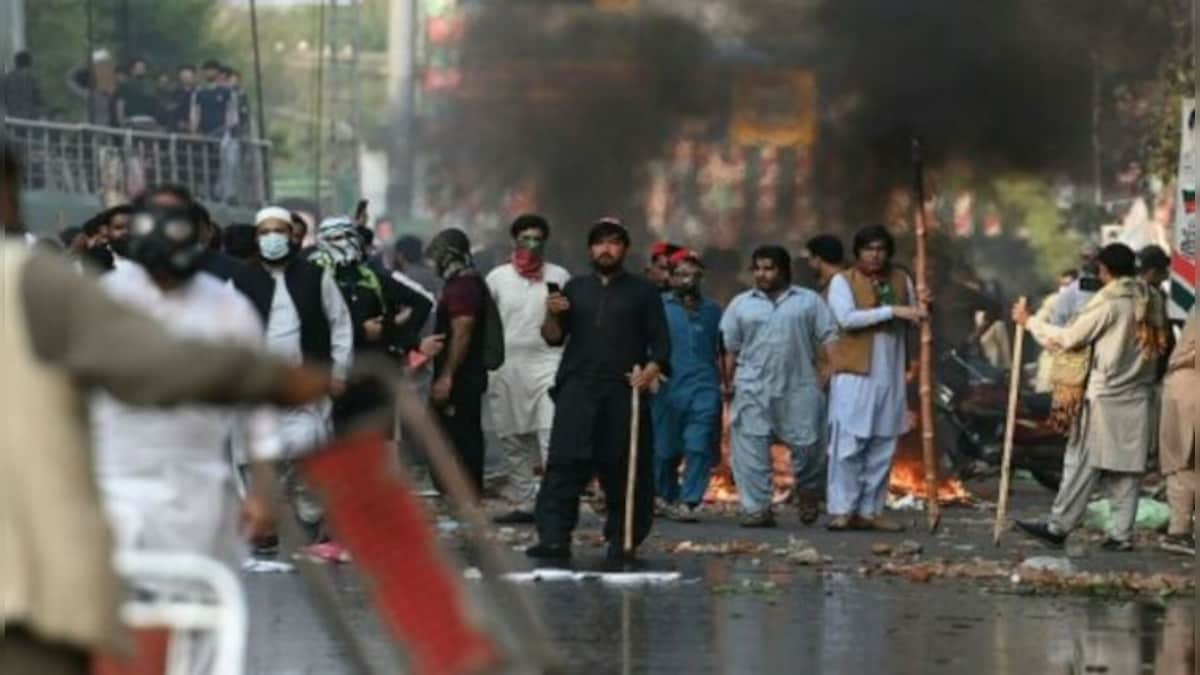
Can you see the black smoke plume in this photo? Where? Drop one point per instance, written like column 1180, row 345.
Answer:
column 576, row 99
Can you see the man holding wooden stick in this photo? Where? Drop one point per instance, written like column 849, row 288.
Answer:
column 867, row 397
column 1116, row 341
column 616, row 337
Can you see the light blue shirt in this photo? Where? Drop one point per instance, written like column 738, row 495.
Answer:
column 1071, row 300
column 776, row 343
column 870, row 405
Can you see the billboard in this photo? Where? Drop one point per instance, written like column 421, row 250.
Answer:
column 1183, row 239
column 775, row 107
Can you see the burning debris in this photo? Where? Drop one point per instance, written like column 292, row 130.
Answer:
column 907, row 478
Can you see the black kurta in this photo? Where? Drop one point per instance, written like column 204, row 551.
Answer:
column 609, row 329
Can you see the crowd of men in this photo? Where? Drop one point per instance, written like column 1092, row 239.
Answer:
column 207, row 101
column 547, row 362
column 560, row 366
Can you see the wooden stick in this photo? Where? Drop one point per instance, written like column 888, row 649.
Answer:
column 1014, row 391
column 631, row 475
column 928, row 445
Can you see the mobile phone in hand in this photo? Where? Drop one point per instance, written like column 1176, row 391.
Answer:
column 553, row 287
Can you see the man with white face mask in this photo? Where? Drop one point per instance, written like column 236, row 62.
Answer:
column 306, row 322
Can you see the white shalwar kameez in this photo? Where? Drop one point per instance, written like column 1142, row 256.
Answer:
column 518, row 395
column 866, row 413
column 306, row 427
column 165, row 474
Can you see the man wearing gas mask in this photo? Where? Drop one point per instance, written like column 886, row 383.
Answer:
column 147, row 457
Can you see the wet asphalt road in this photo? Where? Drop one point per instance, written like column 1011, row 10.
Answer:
column 815, row 622
column 738, row 614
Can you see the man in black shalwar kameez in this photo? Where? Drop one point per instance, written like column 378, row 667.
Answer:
column 611, row 322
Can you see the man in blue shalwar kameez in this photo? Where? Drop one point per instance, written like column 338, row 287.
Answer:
column 687, row 409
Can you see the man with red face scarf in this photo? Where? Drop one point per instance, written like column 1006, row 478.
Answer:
column 519, row 392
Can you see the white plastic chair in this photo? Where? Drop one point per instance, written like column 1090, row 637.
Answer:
column 190, row 595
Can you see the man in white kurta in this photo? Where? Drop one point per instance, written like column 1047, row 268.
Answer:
column 307, row 427
column 867, row 397
column 165, row 475
column 519, row 392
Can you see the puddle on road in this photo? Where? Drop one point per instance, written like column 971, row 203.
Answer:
column 740, row 618
column 733, row 617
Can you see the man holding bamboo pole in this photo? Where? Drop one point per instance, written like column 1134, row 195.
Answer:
column 616, row 337
column 867, row 397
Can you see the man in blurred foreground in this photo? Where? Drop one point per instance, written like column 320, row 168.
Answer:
column 147, row 457
column 58, row 593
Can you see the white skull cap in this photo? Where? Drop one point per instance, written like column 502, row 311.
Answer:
column 273, row 212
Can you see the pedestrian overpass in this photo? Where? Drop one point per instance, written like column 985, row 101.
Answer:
column 71, row 171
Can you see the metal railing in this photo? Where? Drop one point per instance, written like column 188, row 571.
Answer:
column 118, row 163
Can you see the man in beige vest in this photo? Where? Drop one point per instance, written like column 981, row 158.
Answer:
column 1177, row 436
column 58, row 593
column 867, row 397
column 1123, row 328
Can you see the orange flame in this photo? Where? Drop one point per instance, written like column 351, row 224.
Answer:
column 907, row 478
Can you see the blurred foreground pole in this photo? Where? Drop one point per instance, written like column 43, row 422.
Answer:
column 928, row 448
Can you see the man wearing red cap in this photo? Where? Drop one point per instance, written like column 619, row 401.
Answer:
column 687, row 409
column 659, row 270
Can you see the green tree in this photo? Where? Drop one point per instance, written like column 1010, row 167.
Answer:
column 165, row 32
column 1029, row 202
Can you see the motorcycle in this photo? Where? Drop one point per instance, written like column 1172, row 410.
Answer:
column 971, row 400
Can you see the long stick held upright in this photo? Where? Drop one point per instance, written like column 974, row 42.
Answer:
column 928, row 447
column 631, row 476
column 1014, row 390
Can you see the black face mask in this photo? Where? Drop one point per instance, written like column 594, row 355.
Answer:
column 688, row 290
column 120, row 246
column 98, row 257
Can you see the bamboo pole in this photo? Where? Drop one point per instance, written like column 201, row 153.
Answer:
column 631, row 474
column 1014, row 391
column 928, row 447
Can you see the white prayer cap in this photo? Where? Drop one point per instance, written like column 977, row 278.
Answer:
column 272, row 212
